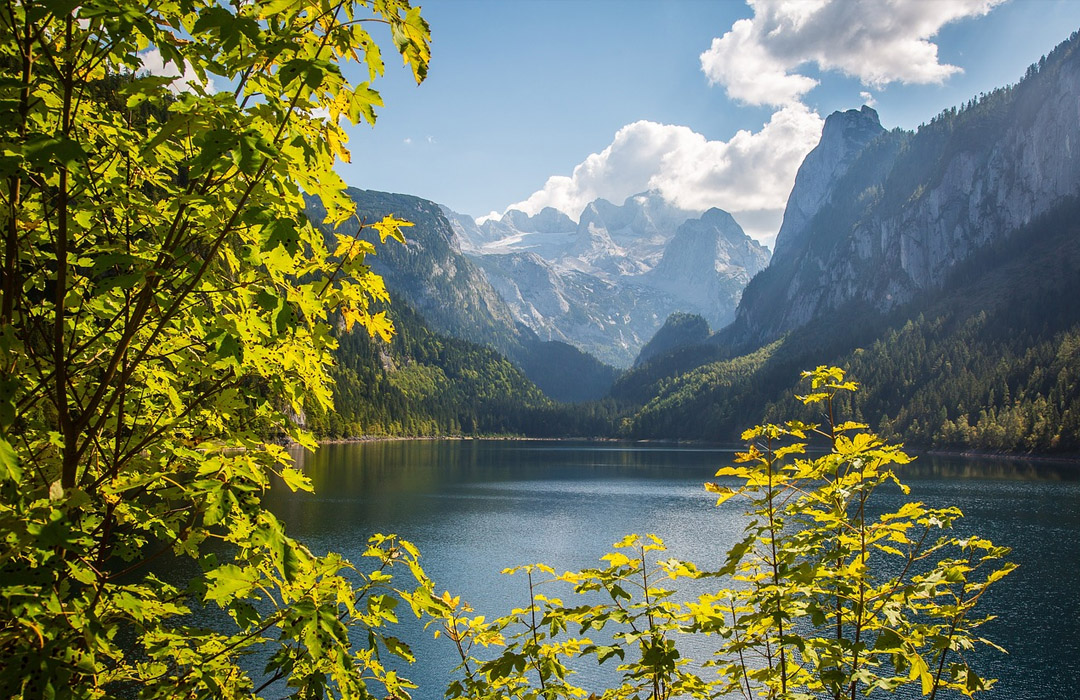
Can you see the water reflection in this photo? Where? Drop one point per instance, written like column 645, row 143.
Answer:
column 981, row 467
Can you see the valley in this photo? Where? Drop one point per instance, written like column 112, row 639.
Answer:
column 940, row 267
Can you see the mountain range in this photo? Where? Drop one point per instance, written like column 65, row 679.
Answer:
column 949, row 255
column 607, row 282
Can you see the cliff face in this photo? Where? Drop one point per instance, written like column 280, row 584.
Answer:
column 986, row 190
column 876, row 217
column 843, row 137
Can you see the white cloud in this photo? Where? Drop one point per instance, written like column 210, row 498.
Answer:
column 741, row 62
column 876, row 41
column 153, row 63
column 408, row 141
column 749, row 175
column 867, row 99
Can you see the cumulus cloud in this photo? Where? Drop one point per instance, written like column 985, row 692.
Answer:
column 756, row 62
column 876, row 41
column 867, row 99
column 153, row 63
column 749, row 175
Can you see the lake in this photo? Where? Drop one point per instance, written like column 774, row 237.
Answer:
column 474, row 507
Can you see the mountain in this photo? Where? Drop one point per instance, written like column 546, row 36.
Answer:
column 707, row 265
column 939, row 267
column 989, row 360
column 432, row 275
column 876, row 217
column 607, row 282
column 679, row 330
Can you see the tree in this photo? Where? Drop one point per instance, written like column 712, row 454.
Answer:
column 830, row 599
column 165, row 308
column 834, row 599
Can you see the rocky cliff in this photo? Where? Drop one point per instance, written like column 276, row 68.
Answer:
column 877, row 216
column 843, row 137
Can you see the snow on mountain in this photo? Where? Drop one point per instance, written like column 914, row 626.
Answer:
column 607, row 282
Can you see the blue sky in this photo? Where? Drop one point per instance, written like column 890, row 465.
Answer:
column 712, row 103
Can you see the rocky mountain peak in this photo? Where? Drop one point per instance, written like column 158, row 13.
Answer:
column 722, row 222
column 843, row 137
column 852, row 125
column 547, row 220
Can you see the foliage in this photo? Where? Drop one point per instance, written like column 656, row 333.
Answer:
column 831, row 597
column 835, row 600
column 165, row 304
column 536, row 661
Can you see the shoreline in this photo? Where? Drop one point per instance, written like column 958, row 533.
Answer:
column 1073, row 459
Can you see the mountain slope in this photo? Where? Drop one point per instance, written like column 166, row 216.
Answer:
column 430, row 273
column 988, row 360
column 679, row 330
column 424, row 383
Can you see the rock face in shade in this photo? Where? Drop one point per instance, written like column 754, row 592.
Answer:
column 877, row 216
column 607, row 283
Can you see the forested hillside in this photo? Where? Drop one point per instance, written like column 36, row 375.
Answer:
column 423, row 383
column 991, row 361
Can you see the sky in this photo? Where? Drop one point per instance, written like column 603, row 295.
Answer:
column 534, row 103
